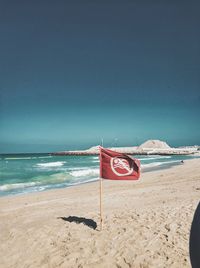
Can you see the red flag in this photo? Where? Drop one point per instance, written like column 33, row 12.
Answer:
column 118, row 166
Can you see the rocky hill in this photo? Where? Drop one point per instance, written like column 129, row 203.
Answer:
column 154, row 144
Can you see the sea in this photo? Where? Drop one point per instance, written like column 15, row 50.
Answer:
column 27, row 173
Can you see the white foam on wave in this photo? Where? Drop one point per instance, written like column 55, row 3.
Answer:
column 85, row 172
column 52, row 164
column 95, row 157
column 154, row 158
column 83, row 181
column 95, row 161
column 76, row 168
column 18, row 158
column 41, row 157
column 152, row 164
column 53, row 181
column 158, row 163
column 42, row 181
column 13, row 186
column 39, row 188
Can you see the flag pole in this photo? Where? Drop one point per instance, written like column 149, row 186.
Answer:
column 101, row 207
column 101, row 189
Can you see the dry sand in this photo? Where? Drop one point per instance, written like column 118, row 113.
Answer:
column 147, row 223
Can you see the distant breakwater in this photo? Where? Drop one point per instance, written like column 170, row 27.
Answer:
column 82, row 153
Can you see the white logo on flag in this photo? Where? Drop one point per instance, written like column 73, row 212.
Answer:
column 120, row 166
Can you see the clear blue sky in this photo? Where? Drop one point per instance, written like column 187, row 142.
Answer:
column 72, row 72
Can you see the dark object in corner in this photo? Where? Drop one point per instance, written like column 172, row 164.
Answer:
column 89, row 222
column 195, row 239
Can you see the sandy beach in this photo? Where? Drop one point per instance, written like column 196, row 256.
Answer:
column 146, row 223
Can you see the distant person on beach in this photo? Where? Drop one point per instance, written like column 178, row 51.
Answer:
column 182, row 162
column 195, row 240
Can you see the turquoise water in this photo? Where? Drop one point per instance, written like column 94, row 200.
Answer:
column 38, row 172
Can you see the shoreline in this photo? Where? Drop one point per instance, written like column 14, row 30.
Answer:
column 146, row 223
column 143, row 170
column 84, row 184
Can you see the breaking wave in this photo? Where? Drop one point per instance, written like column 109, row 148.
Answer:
column 18, row 158
column 85, row 172
column 154, row 158
column 13, row 186
column 159, row 164
column 50, row 181
column 52, row 164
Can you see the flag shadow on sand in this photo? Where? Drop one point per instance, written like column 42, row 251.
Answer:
column 89, row 222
